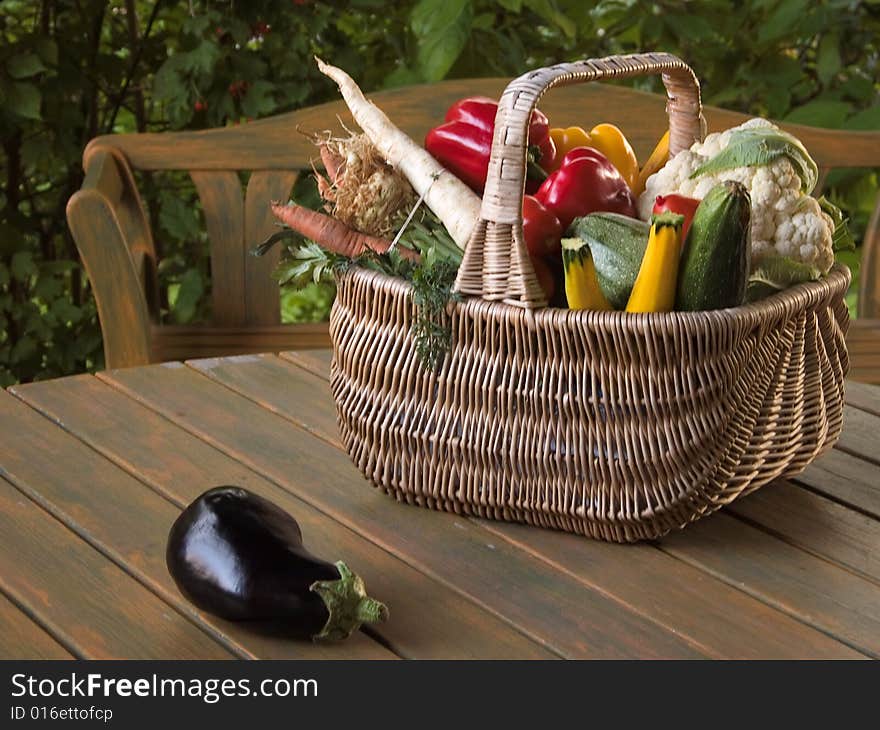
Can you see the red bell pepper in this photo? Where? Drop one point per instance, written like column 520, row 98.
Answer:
column 545, row 276
column 463, row 143
column 676, row 203
column 586, row 182
column 541, row 228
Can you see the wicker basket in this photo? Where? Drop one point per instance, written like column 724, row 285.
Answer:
column 613, row 425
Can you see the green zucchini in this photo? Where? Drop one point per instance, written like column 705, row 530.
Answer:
column 714, row 266
column 617, row 244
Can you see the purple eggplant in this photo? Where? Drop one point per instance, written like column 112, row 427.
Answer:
column 239, row 556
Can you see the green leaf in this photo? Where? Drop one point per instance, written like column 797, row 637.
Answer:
column 188, row 295
column 308, row 262
column 11, row 239
column 179, row 218
column 821, row 113
column 24, row 65
column 442, row 28
column 66, row 311
column 841, row 239
column 48, row 50
column 689, row 26
column 201, row 59
column 259, row 99
column 514, row 6
column 858, row 89
column 761, row 146
column 24, row 349
column 548, row 11
column 401, row 76
column 23, row 99
column 782, row 20
column 828, row 57
column 484, row 21
column 48, row 287
column 198, row 23
column 23, row 266
column 7, row 378
column 773, row 273
column 867, row 119
column 310, row 304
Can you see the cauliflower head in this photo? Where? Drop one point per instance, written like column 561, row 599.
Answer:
column 784, row 220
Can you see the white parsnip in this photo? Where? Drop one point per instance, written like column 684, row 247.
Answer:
column 454, row 203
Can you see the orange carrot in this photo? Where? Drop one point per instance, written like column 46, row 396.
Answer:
column 332, row 163
column 331, row 233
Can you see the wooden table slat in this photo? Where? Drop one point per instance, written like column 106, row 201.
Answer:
column 59, row 577
column 863, row 396
column 428, row 619
column 845, row 478
column 557, row 609
column 720, row 628
column 816, row 591
column 315, row 361
column 22, row 638
column 860, row 435
column 816, row 524
column 126, row 521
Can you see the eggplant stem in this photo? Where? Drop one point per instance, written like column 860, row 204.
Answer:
column 348, row 605
column 371, row 611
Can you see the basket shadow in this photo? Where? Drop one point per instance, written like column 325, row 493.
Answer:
column 781, row 509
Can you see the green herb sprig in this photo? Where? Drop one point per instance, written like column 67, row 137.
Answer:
column 432, row 277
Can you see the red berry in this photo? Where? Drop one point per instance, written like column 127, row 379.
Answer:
column 200, row 105
column 238, row 88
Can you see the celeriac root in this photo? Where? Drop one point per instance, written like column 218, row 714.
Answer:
column 361, row 189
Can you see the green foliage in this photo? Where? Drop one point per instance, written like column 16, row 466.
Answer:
column 441, row 28
column 432, row 282
column 310, row 304
column 70, row 71
column 306, row 262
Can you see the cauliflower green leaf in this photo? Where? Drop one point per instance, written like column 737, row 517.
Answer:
column 760, row 146
column 773, row 273
column 841, row 239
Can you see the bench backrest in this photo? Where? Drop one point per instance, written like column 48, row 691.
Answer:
column 274, row 152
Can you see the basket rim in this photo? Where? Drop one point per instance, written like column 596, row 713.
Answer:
column 797, row 298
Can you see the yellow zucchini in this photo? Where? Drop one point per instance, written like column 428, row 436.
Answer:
column 581, row 283
column 655, row 287
column 656, row 161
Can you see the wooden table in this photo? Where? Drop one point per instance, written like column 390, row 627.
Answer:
column 94, row 470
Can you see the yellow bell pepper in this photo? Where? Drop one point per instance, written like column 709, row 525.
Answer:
column 609, row 140
column 606, row 138
column 655, row 287
column 566, row 140
column 582, row 288
column 655, row 162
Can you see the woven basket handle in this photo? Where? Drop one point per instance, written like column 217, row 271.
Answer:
column 496, row 265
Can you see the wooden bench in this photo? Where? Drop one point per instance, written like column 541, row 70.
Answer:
column 108, row 220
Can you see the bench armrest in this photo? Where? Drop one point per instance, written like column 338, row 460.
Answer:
column 107, row 220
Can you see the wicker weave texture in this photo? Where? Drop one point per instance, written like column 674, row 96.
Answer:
column 613, row 425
